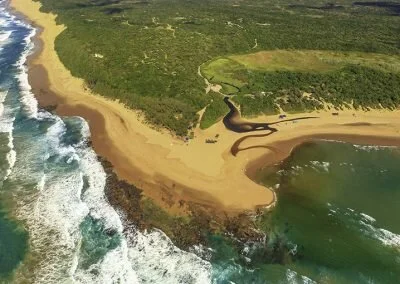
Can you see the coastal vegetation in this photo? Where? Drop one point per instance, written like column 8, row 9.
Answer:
column 214, row 111
column 146, row 54
column 302, row 80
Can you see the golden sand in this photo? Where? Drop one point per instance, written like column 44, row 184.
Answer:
column 158, row 162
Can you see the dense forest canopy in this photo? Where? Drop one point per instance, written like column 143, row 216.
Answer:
column 147, row 54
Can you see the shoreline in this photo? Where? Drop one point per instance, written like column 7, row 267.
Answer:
column 167, row 169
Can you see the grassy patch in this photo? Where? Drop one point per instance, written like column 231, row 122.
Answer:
column 303, row 80
column 224, row 72
column 297, row 61
column 306, row 61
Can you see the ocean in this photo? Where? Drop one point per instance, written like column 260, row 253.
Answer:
column 335, row 220
column 55, row 222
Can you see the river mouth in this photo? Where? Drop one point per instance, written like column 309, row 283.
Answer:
column 233, row 121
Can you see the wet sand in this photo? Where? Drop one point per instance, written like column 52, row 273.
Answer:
column 168, row 169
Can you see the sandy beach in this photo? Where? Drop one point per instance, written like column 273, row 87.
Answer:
column 167, row 168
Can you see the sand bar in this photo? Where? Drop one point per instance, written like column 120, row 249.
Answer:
column 166, row 168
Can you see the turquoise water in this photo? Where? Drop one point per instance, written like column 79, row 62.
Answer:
column 336, row 220
column 13, row 243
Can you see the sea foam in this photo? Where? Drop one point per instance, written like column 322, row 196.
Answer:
column 367, row 225
column 148, row 257
column 293, row 278
column 27, row 97
column 321, row 165
column 6, row 126
column 4, row 36
column 69, row 184
column 369, row 148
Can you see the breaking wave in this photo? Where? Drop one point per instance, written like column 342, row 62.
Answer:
column 69, row 196
column 27, row 98
column 58, row 187
column 369, row 148
column 366, row 225
column 6, row 126
column 4, row 36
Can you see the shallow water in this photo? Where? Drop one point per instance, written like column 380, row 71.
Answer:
column 336, row 220
column 341, row 204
